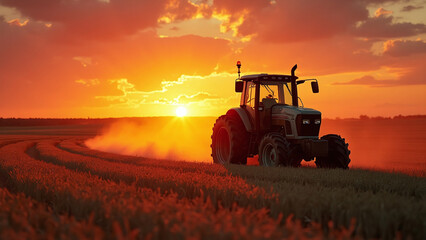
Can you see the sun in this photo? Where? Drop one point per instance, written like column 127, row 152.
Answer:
column 181, row 111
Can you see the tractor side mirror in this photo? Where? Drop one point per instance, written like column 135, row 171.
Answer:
column 315, row 87
column 239, row 85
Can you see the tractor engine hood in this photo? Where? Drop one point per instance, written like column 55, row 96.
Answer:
column 299, row 123
column 291, row 112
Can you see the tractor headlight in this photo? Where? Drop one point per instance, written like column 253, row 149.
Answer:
column 306, row 121
column 317, row 121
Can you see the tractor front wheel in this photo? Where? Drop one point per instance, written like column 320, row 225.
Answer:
column 338, row 153
column 275, row 150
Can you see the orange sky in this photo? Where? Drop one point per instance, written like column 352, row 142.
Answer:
column 119, row 58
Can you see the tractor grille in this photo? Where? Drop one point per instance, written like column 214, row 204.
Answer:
column 288, row 128
column 310, row 129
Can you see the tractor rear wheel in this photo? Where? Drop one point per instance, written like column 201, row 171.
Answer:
column 229, row 140
column 338, row 153
column 275, row 150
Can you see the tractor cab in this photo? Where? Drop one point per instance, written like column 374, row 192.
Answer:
column 266, row 97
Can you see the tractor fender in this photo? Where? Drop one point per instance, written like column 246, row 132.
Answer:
column 244, row 116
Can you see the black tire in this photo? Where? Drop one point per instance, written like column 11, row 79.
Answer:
column 229, row 140
column 338, row 153
column 275, row 150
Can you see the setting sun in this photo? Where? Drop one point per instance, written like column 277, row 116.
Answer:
column 181, row 111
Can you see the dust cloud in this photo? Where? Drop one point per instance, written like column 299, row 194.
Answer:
column 394, row 145
column 387, row 145
column 185, row 139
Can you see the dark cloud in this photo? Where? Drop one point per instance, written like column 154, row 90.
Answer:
column 291, row 21
column 317, row 57
column 92, row 19
column 180, row 10
column 411, row 76
column 410, row 8
column 234, row 7
column 282, row 21
column 369, row 81
column 399, row 48
column 303, row 20
column 384, row 26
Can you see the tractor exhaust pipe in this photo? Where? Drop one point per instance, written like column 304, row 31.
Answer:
column 294, row 87
column 293, row 69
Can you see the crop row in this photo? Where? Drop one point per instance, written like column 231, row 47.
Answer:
column 121, row 209
column 359, row 180
column 24, row 218
column 227, row 189
column 74, row 147
column 310, row 196
column 9, row 139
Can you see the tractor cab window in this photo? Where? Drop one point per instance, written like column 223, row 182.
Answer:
column 270, row 93
column 287, row 93
column 250, row 94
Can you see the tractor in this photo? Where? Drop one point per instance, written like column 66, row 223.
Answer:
column 271, row 124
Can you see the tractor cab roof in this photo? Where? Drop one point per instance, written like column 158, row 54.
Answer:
column 266, row 77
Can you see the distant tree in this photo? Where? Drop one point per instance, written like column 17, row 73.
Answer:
column 364, row 117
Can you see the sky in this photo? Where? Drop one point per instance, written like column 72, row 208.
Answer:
column 134, row 58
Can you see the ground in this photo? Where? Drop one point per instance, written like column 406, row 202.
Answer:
column 53, row 185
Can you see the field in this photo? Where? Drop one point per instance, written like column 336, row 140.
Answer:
column 53, row 185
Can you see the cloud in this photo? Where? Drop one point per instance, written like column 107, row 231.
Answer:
column 91, row 19
column 369, row 81
column 85, row 61
column 314, row 58
column 410, row 76
column 186, row 99
column 78, row 20
column 198, row 97
column 18, row 22
column 289, row 21
column 399, row 48
column 382, row 12
column 285, row 21
column 410, row 8
column 213, row 92
column 124, row 86
column 88, row 82
column 382, row 25
column 176, row 10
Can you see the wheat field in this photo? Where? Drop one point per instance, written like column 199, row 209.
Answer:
column 55, row 187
